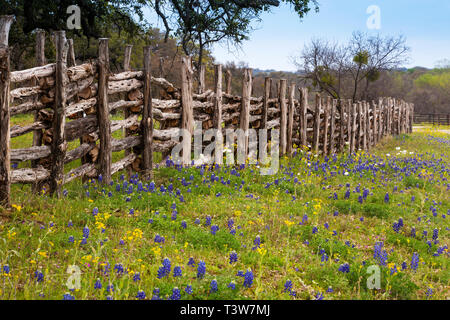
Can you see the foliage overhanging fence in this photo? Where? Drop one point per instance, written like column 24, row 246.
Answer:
column 71, row 102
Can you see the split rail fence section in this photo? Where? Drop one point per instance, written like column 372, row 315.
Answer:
column 74, row 102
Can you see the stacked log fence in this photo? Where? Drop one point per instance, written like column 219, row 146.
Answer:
column 70, row 102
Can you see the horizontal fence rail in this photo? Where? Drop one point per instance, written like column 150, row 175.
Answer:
column 432, row 118
column 75, row 102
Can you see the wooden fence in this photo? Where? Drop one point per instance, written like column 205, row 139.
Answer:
column 74, row 102
column 432, row 118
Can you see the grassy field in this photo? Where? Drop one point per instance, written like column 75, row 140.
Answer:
column 312, row 231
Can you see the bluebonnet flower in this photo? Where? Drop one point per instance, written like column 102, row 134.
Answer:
column 159, row 239
column 315, row 230
column 71, row 239
column 344, row 268
column 257, row 242
column 176, row 294
column 318, row 296
column 70, row 224
column 183, row 224
column 404, row 265
column 429, row 292
column 214, row 229
column 413, row 232
column 208, row 221
column 68, row 296
column 177, row 271
column 230, row 223
column 98, row 284
column 86, row 232
column 386, row 198
column 435, row 234
column 379, row 254
column 415, row 261
column 191, row 262
column 213, row 286
column 240, row 273
column 188, row 289
column 140, row 295
column 136, row 277
column 233, row 257
column 39, row 276
column 167, row 265
column 201, row 269
column 248, row 278
column 330, row 289
column 288, row 286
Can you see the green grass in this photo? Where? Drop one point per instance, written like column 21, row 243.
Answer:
column 34, row 234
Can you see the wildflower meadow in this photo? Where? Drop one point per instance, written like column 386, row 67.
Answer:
column 373, row 225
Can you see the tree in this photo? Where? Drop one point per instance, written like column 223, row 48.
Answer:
column 97, row 18
column 200, row 23
column 335, row 68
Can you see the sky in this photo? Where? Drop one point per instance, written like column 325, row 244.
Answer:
column 282, row 35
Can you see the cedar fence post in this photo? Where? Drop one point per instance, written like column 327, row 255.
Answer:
column 353, row 117
column 332, row 126
column 37, row 134
column 228, row 82
column 217, row 123
column 374, row 124
column 201, row 79
column 147, row 116
column 342, row 124
column 71, row 55
column 266, row 98
column 5, row 82
column 59, row 144
column 126, row 111
column 187, row 118
column 316, row 128
column 104, row 121
column 244, row 121
column 326, row 120
column 349, row 108
column 303, row 120
column 127, row 57
column 290, row 125
column 283, row 117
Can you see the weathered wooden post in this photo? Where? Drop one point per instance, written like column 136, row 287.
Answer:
column 59, row 144
column 104, row 121
column 316, row 127
column 303, row 120
column 40, row 61
column 353, row 118
column 411, row 114
column 217, row 120
column 228, row 78
column 5, row 82
column 290, row 125
column 71, row 61
column 332, row 126
column 187, row 118
column 349, row 108
column 126, row 111
column 366, row 126
column 374, row 124
column 343, row 124
column 380, row 125
column 358, row 140
column 390, row 107
column 283, row 116
column 265, row 108
column 244, row 122
column 147, row 116
column 201, row 79
column 327, row 104
column 127, row 57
